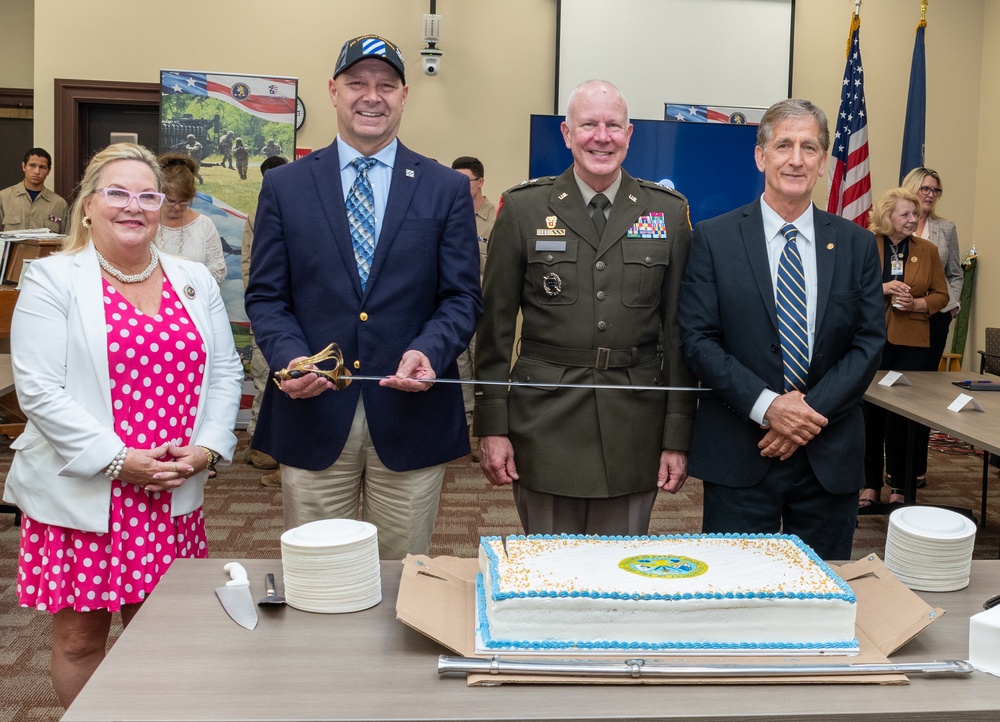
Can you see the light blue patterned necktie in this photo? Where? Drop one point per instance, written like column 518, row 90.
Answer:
column 790, row 302
column 361, row 217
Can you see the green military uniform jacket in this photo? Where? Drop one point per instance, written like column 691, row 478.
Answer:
column 594, row 311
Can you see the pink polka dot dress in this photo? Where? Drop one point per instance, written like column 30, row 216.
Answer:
column 157, row 364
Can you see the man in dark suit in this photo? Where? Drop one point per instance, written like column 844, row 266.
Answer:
column 781, row 315
column 367, row 244
column 592, row 259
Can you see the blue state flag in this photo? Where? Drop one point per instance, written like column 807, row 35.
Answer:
column 916, row 109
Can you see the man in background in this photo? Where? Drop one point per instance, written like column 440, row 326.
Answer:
column 593, row 260
column 366, row 244
column 258, row 366
column 781, row 313
column 486, row 215
column 29, row 204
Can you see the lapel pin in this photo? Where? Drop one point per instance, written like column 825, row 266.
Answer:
column 633, row 198
column 409, row 173
column 189, row 291
column 562, row 196
column 829, row 246
column 913, row 259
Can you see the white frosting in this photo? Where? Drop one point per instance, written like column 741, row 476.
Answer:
column 984, row 641
column 797, row 600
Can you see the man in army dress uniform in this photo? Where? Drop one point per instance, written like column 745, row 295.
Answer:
column 593, row 260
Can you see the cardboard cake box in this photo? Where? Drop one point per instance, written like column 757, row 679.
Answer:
column 437, row 597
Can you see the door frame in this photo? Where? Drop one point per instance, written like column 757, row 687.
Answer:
column 71, row 99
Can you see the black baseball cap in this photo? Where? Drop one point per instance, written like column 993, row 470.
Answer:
column 370, row 46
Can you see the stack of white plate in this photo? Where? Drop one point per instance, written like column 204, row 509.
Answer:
column 930, row 549
column 331, row 566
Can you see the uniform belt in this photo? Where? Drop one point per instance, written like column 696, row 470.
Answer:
column 594, row 358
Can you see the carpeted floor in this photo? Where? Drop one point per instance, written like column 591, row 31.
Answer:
column 244, row 521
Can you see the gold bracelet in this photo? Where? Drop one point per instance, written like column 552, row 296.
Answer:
column 213, row 458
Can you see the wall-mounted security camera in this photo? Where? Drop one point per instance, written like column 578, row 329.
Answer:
column 431, row 59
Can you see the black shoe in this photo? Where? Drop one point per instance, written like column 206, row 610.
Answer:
column 921, row 482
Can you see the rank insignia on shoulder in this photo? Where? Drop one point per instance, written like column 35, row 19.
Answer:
column 552, row 285
column 651, row 226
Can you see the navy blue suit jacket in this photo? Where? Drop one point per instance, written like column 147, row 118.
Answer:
column 730, row 338
column 423, row 293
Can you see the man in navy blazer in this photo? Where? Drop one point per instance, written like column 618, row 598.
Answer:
column 776, row 460
column 405, row 313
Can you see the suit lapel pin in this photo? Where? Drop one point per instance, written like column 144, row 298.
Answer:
column 829, row 246
column 409, row 173
column 562, row 196
column 633, row 198
column 189, row 292
column 913, row 259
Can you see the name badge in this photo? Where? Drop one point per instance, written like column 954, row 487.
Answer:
column 550, row 245
column 896, row 267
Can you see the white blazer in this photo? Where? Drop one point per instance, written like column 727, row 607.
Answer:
column 59, row 353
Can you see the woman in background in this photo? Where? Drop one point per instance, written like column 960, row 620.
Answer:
column 925, row 183
column 184, row 232
column 125, row 367
column 914, row 289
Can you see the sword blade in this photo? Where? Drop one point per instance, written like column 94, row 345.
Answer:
column 540, row 385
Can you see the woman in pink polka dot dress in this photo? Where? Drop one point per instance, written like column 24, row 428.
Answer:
column 125, row 368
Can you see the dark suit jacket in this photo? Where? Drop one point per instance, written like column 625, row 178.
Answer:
column 730, row 338
column 423, row 293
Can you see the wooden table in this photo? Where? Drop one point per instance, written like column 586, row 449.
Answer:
column 926, row 402
column 184, row 659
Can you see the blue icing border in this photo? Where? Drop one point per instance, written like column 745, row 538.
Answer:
column 483, row 628
column 846, row 594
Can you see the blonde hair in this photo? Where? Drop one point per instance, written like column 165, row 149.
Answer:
column 878, row 219
column 915, row 178
column 78, row 237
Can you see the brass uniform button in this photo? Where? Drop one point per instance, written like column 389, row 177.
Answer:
column 357, row 364
column 601, row 295
column 599, row 265
column 602, row 325
column 363, row 316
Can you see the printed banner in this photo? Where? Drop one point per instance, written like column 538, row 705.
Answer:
column 229, row 124
column 685, row 113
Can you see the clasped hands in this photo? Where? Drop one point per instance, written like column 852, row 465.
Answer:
column 144, row 468
column 792, row 423
column 902, row 296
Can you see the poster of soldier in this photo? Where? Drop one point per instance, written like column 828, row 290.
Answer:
column 229, row 124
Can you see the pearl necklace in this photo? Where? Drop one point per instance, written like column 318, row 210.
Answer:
column 154, row 260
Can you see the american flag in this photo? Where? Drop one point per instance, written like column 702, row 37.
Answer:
column 850, row 177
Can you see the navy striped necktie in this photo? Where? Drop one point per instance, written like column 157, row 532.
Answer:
column 790, row 303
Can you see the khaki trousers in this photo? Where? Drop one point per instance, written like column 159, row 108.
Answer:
column 401, row 504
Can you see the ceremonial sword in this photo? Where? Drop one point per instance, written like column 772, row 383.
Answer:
column 341, row 377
